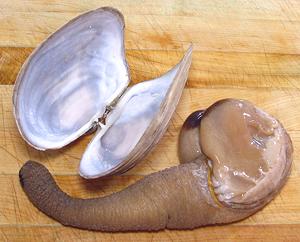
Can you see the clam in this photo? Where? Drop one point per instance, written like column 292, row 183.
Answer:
column 235, row 158
column 77, row 81
column 247, row 152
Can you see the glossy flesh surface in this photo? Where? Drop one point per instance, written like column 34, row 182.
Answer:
column 245, row 147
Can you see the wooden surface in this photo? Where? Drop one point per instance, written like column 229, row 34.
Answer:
column 243, row 49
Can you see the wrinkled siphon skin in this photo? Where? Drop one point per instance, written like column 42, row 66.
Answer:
column 180, row 197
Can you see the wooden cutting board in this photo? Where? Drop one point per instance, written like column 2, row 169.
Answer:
column 243, row 49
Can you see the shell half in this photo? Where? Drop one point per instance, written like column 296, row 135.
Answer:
column 68, row 81
column 137, row 123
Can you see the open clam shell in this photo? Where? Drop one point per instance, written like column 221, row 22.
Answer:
column 77, row 80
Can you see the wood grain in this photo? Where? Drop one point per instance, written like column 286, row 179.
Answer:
column 272, row 233
column 166, row 32
column 243, row 48
column 248, row 9
column 247, row 26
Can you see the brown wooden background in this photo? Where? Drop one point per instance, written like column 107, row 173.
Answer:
column 243, row 49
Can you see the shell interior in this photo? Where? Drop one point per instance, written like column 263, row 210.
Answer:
column 68, row 81
column 108, row 152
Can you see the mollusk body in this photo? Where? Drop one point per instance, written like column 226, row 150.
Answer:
column 209, row 187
